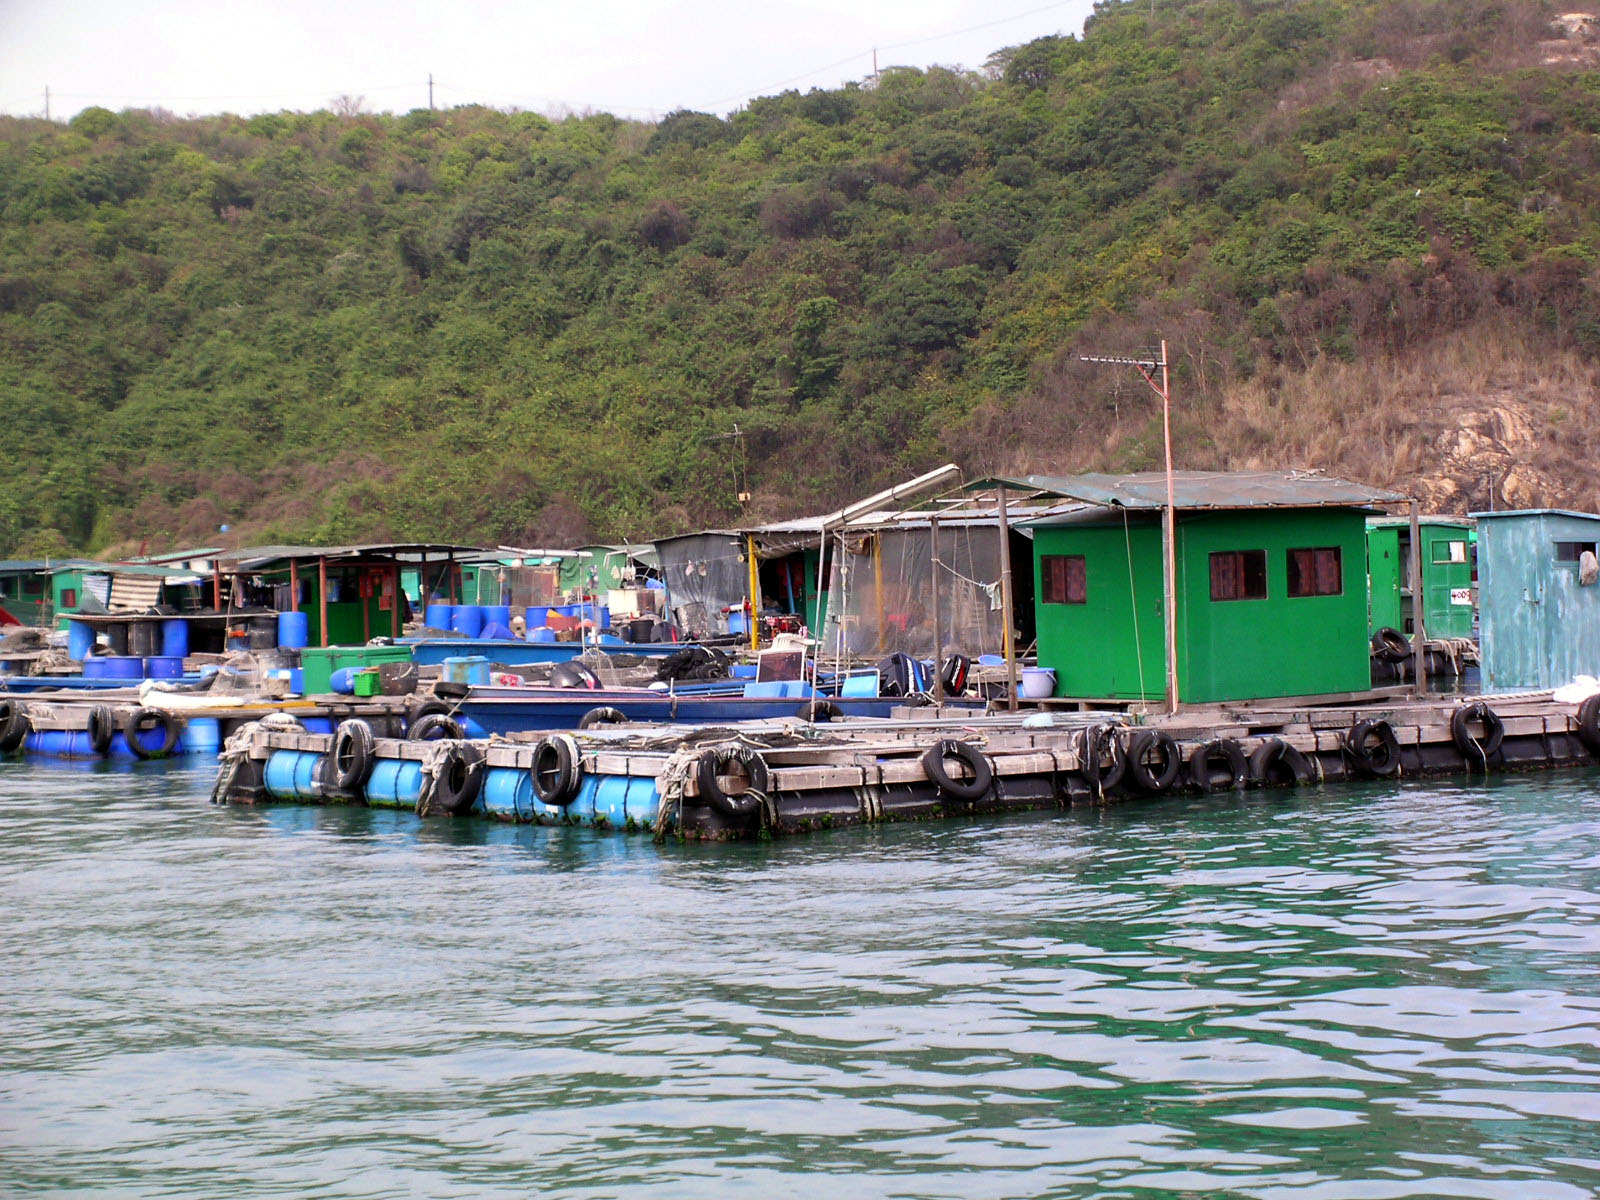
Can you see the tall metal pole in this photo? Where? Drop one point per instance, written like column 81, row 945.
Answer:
column 1169, row 538
column 933, row 599
column 1007, row 637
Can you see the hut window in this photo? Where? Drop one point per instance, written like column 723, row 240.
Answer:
column 1450, row 552
column 1315, row 572
column 1570, row 552
column 1239, row 575
column 1066, row 578
column 69, row 597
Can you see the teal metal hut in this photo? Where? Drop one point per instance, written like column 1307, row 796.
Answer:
column 1539, row 619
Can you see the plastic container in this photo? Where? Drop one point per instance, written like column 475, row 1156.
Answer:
column 144, row 638
column 294, row 630
column 343, row 681
column 1037, row 683
column 239, row 636
column 160, row 666
column 509, row 793
column 493, row 631
column 368, row 682
column 738, row 622
column 467, row 620
column 175, row 638
column 94, row 667
column 472, row 669
column 397, row 782
column 202, row 735
column 113, row 666
column 440, row 616
column 320, row 662
column 264, row 632
column 80, row 640
column 497, row 614
column 541, row 633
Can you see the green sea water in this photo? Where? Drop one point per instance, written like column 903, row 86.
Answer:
column 1377, row 991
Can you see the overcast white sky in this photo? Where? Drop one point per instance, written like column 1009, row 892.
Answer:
column 635, row 58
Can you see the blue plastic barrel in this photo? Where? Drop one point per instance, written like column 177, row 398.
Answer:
column 175, row 638
column 294, row 630
column 508, row 792
column 472, row 669
column 80, row 638
column 202, row 735
column 343, row 681
column 94, row 667
column 440, row 616
column 116, row 666
column 467, row 620
column 163, row 667
column 497, row 614
column 394, row 783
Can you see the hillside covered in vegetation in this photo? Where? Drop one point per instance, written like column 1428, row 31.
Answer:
column 1368, row 229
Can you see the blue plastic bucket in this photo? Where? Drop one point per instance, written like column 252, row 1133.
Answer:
column 162, row 667
column 440, row 616
column 467, row 620
column 472, row 669
column 80, row 639
column 294, row 630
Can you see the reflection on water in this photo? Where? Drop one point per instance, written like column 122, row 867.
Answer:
column 1376, row 992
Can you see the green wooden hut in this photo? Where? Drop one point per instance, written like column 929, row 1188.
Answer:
column 1447, row 545
column 1270, row 584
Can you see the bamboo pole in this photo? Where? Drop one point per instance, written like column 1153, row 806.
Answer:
column 322, row 597
column 1419, row 633
column 755, row 591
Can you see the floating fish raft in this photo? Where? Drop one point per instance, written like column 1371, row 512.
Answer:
column 790, row 777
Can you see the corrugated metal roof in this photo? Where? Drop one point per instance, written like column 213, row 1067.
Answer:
column 1535, row 512
column 259, row 554
column 1200, row 489
column 1435, row 520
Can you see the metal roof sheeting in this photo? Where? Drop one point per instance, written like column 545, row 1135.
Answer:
column 1201, row 489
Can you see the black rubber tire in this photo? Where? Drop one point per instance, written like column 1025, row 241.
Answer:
column 1376, row 763
column 602, row 716
column 351, row 755
column 102, row 728
column 155, row 718
column 460, row 777
column 556, row 772
column 14, row 725
column 1494, row 731
column 1275, row 761
column 1093, row 743
column 714, row 763
column 817, row 709
column 1589, row 723
column 1140, row 773
column 951, row 786
column 449, row 689
column 415, row 711
column 1390, row 645
column 433, row 727
column 1202, row 775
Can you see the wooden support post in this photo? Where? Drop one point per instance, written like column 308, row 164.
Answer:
column 422, row 585
column 294, row 585
column 322, row 595
column 450, row 568
column 1419, row 632
column 933, row 599
column 216, row 585
column 1007, row 636
column 394, row 600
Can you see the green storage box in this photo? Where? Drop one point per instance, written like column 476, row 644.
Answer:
column 320, row 662
column 368, row 682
